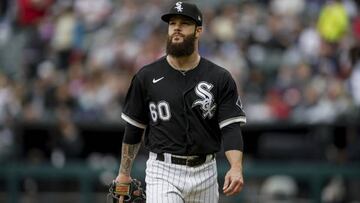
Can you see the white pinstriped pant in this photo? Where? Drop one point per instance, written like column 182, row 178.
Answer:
column 171, row 183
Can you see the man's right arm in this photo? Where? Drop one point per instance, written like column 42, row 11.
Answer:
column 130, row 147
column 128, row 154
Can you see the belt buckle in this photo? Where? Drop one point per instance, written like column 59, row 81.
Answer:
column 188, row 160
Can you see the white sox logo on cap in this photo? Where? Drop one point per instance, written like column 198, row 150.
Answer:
column 178, row 6
column 184, row 9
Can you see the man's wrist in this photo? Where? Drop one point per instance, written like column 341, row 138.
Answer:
column 123, row 174
column 235, row 159
column 123, row 177
column 236, row 166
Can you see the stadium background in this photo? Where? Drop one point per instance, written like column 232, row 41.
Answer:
column 65, row 67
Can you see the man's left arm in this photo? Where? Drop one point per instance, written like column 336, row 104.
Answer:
column 231, row 116
column 233, row 146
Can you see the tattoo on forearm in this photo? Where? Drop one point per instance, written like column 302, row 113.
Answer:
column 129, row 153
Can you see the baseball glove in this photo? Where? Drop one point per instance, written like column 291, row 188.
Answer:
column 132, row 192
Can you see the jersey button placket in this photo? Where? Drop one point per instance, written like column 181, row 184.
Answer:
column 187, row 122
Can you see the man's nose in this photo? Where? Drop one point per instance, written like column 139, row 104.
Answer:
column 177, row 27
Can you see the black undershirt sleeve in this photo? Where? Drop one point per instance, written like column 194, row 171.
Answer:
column 132, row 134
column 232, row 137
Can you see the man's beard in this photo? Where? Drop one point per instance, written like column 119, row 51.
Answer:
column 185, row 48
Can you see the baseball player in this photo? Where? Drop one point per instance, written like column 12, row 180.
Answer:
column 186, row 107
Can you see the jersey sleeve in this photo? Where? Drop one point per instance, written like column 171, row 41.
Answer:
column 135, row 111
column 230, row 105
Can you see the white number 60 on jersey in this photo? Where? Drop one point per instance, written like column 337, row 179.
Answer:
column 160, row 110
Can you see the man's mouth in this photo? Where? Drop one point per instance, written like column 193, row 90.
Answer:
column 178, row 35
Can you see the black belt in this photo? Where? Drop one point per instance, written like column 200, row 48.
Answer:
column 192, row 161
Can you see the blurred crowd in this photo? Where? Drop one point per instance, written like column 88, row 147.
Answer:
column 290, row 58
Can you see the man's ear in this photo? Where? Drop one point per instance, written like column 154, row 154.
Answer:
column 198, row 31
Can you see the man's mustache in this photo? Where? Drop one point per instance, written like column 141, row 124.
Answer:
column 178, row 34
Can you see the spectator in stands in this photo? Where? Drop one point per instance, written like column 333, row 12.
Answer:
column 8, row 148
column 355, row 76
column 68, row 141
column 279, row 189
column 258, row 41
column 31, row 12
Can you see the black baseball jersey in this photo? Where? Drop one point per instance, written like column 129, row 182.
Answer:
column 183, row 112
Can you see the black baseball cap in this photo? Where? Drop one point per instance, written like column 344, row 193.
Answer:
column 184, row 9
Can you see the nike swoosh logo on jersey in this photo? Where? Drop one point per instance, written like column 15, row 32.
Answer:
column 157, row 80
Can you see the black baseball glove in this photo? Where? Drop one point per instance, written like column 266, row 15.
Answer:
column 132, row 192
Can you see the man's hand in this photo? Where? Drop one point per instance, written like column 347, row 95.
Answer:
column 233, row 181
column 122, row 178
